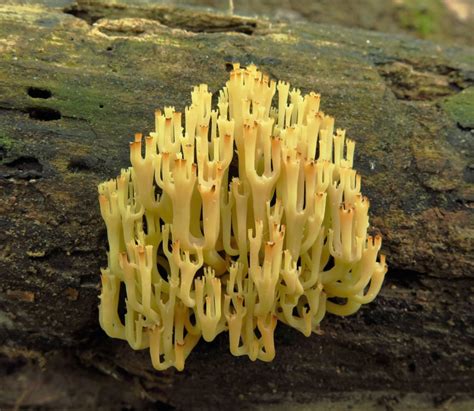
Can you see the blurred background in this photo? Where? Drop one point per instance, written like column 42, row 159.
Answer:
column 443, row 21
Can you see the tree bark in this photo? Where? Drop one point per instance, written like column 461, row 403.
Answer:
column 74, row 88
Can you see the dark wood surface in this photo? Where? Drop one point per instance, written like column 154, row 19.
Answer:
column 71, row 96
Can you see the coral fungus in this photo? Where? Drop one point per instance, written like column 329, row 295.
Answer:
column 203, row 245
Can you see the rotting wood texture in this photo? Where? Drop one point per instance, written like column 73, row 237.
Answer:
column 71, row 96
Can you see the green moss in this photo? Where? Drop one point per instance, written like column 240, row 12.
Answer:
column 7, row 144
column 461, row 108
column 422, row 16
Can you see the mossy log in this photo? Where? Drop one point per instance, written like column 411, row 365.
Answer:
column 75, row 84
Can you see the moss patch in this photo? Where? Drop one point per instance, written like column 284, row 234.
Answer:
column 6, row 146
column 421, row 16
column 461, row 108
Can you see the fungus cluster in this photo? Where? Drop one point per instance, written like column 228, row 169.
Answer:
column 246, row 216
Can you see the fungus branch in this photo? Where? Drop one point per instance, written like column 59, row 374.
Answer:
column 210, row 253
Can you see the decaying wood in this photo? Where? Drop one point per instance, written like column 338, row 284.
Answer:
column 71, row 96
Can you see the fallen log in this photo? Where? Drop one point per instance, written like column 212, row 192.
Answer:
column 75, row 85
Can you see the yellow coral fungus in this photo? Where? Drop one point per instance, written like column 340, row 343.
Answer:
column 287, row 241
